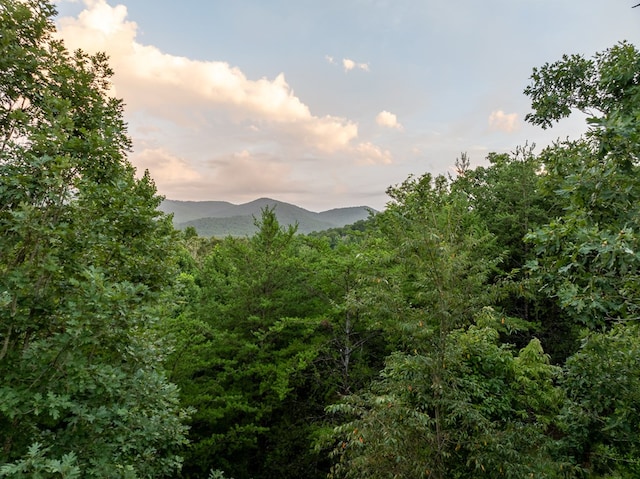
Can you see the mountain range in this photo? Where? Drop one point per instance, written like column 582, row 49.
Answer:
column 221, row 218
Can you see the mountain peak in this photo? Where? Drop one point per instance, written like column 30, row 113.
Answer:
column 221, row 218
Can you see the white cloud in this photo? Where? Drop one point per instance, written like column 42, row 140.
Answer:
column 350, row 65
column 499, row 120
column 369, row 154
column 389, row 120
column 173, row 87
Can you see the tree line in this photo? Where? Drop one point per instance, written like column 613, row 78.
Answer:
column 483, row 325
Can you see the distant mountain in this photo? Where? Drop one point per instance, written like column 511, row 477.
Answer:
column 220, row 218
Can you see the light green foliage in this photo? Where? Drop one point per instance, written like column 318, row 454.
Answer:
column 483, row 415
column 35, row 465
column 85, row 255
column 441, row 257
column 217, row 475
column 506, row 196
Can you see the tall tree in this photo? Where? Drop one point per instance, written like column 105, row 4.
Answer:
column 244, row 356
column 509, row 198
column 85, row 256
column 588, row 255
column 452, row 401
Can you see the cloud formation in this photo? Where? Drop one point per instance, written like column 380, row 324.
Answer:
column 370, row 154
column 501, row 121
column 272, row 117
column 330, row 59
column 388, row 120
column 253, row 174
column 349, row 65
column 180, row 110
column 150, row 79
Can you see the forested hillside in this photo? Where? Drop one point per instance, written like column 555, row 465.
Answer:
column 220, row 218
column 483, row 325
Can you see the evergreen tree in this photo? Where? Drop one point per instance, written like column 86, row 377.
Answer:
column 245, row 349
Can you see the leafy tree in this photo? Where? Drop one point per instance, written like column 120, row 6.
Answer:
column 487, row 416
column 600, row 418
column 441, row 255
column 85, row 257
column 451, row 401
column 349, row 274
column 345, row 234
column 587, row 256
column 508, row 197
column 244, row 355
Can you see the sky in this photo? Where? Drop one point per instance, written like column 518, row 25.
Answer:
column 326, row 104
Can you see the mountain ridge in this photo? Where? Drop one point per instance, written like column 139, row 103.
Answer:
column 222, row 218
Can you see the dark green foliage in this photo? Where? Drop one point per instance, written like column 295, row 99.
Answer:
column 272, row 329
column 483, row 415
column 600, row 419
column 606, row 85
column 85, row 255
column 244, row 353
column 511, row 201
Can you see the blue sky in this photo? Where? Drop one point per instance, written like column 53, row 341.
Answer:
column 326, row 104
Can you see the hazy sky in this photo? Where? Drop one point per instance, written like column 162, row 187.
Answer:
column 327, row 103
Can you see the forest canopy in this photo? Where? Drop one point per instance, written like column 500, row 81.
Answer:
column 482, row 325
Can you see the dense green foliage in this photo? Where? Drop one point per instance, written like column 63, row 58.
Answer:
column 263, row 344
column 84, row 259
column 481, row 326
column 452, row 401
column 588, row 253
